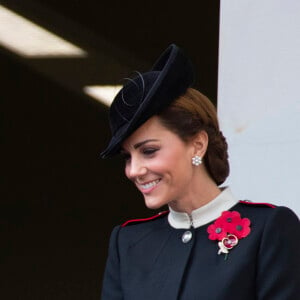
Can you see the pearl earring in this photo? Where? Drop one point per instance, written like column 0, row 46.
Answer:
column 196, row 160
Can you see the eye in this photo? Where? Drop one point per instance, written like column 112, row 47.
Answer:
column 149, row 151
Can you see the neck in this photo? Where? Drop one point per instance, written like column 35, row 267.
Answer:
column 199, row 195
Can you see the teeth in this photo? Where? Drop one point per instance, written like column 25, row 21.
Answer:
column 150, row 184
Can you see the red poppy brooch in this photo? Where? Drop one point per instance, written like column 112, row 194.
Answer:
column 228, row 229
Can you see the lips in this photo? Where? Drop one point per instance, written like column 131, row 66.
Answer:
column 149, row 185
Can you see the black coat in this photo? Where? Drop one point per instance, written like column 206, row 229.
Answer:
column 148, row 260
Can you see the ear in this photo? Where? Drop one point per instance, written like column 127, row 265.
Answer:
column 200, row 143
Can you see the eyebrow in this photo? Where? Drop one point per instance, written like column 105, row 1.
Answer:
column 137, row 145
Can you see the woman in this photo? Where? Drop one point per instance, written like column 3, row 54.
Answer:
column 208, row 245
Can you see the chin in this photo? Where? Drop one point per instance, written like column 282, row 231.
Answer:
column 152, row 204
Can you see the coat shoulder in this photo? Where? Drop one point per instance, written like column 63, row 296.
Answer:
column 255, row 210
column 145, row 220
column 265, row 211
column 257, row 204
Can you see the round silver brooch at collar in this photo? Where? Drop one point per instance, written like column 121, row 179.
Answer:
column 187, row 236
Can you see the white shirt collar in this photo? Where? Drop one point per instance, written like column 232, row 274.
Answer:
column 204, row 214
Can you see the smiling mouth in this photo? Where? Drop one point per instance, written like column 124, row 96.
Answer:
column 149, row 185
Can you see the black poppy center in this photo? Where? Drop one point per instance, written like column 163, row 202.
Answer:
column 239, row 227
column 218, row 230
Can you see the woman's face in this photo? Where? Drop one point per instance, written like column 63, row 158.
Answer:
column 159, row 163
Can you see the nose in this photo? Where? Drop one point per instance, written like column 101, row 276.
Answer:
column 135, row 169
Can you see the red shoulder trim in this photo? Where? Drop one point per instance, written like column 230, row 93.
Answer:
column 145, row 219
column 257, row 203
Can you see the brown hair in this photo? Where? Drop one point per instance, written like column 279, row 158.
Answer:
column 190, row 114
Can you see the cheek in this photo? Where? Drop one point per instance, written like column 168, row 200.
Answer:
column 182, row 168
column 167, row 160
column 157, row 165
column 178, row 160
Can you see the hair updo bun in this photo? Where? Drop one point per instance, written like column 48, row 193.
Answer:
column 188, row 115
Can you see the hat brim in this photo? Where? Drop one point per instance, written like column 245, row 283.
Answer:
column 176, row 75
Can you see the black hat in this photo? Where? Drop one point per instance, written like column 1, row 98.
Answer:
column 148, row 94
